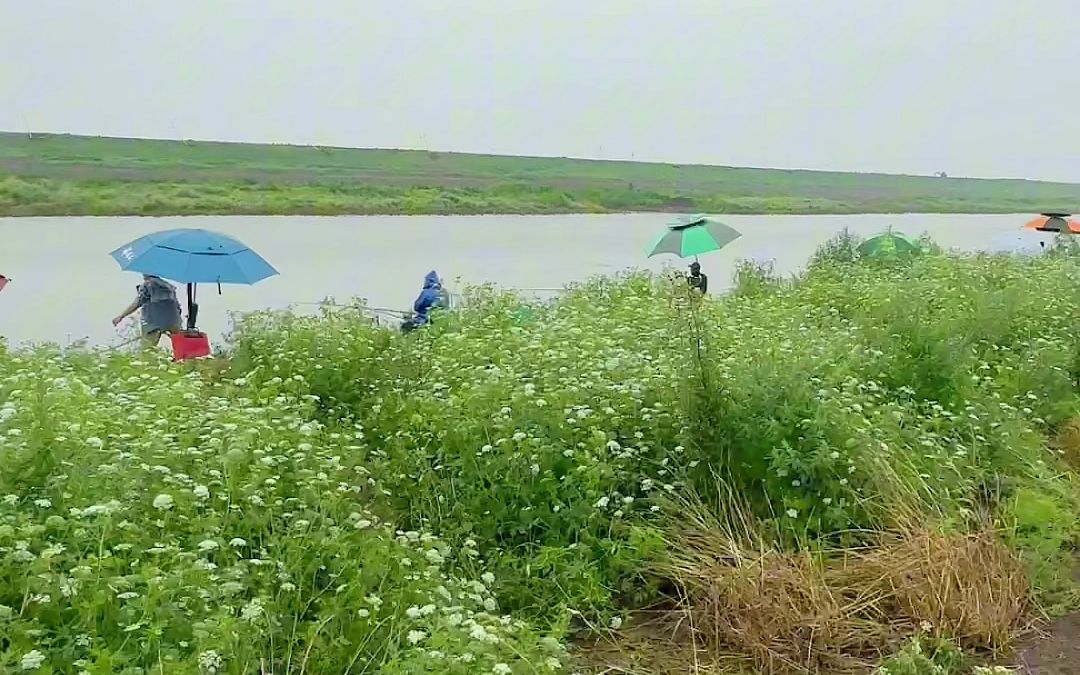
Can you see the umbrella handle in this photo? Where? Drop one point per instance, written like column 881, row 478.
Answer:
column 191, row 307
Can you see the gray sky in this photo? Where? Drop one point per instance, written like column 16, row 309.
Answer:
column 971, row 87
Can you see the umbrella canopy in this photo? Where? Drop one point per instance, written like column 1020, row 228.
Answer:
column 887, row 244
column 693, row 235
column 193, row 256
column 1054, row 222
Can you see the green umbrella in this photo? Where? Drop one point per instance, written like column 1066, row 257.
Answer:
column 522, row 315
column 692, row 236
column 887, row 244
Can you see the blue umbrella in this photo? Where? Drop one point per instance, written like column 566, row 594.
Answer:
column 193, row 256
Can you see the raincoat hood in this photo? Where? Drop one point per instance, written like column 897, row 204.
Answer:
column 431, row 296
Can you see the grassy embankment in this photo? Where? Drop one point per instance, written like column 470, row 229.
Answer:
column 875, row 464
column 74, row 175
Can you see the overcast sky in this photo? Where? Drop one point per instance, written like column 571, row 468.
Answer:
column 971, row 87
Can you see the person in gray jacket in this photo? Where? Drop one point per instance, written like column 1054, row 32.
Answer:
column 160, row 309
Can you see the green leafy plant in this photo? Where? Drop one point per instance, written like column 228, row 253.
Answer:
column 925, row 655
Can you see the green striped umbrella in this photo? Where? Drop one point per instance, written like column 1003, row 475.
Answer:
column 692, row 236
column 887, row 244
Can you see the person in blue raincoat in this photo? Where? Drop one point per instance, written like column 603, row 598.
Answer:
column 432, row 296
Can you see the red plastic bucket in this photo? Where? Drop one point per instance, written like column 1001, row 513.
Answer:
column 190, row 345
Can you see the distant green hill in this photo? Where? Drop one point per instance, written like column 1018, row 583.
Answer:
column 49, row 174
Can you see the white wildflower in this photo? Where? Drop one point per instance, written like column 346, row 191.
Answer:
column 163, row 502
column 32, row 660
column 52, row 551
column 210, row 662
column 69, row 587
column 252, row 610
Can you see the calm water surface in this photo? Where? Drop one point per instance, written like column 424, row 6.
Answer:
column 66, row 287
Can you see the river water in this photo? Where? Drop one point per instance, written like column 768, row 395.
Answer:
column 66, row 287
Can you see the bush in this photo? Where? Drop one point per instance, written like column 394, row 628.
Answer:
column 846, row 402
column 841, row 249
column 536, row 450
column 153, row 521
column 753, row 278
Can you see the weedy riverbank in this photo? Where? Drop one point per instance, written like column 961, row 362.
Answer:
column 871, row 466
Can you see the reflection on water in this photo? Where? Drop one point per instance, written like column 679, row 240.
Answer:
column 66, row 287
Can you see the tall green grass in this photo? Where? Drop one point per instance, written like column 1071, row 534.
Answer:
column 860, row 394
column 468, row 497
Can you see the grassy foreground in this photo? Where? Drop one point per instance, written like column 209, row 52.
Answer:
column 879, row 451
column 75, row 175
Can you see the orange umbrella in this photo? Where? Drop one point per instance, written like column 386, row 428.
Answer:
column 1054, row 222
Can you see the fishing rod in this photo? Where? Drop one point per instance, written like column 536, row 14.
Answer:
column 369, row 310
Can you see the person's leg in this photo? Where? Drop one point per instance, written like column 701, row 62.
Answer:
column 151, row 339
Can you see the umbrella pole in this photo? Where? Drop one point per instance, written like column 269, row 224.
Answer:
column 191, row 308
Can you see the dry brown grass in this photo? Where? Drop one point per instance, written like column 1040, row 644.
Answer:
column 969, row 587
column 833, row 611
column 780, row 611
